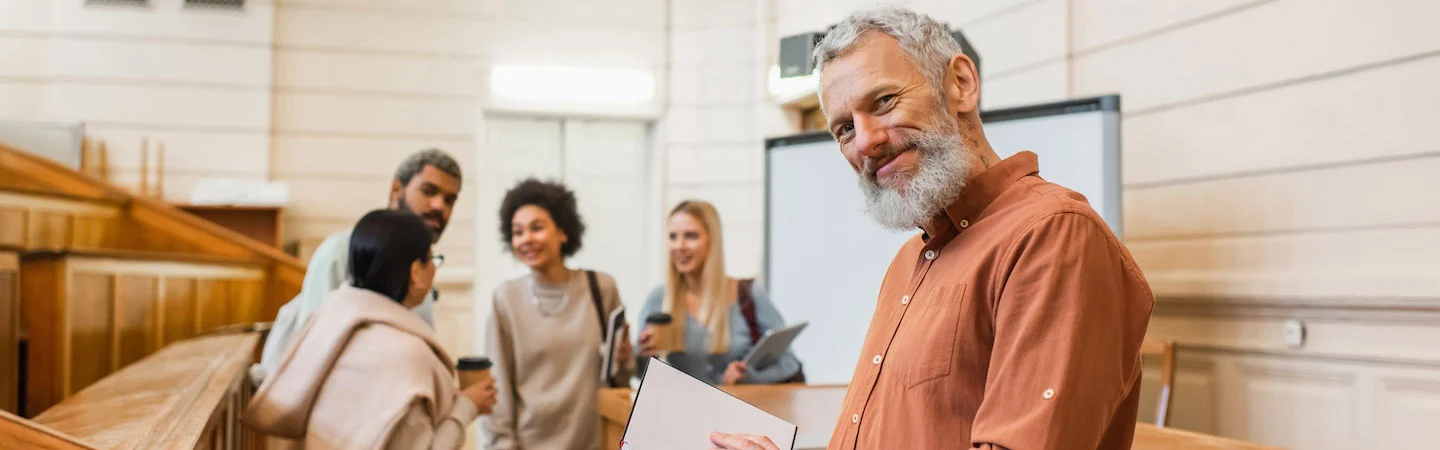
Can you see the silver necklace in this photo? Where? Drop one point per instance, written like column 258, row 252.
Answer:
column 548, row 305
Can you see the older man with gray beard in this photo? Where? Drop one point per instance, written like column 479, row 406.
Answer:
column 1014, row 318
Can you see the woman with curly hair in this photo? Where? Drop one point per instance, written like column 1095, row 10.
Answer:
column 545, row 331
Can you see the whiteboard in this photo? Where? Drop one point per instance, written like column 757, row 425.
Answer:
column 824, row 258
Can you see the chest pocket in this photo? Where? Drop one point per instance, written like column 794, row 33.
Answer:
column 928, row 332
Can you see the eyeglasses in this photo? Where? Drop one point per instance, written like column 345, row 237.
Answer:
column 438, row 260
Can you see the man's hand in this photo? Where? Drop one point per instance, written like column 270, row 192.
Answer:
column 723, row 441
column 733, row 373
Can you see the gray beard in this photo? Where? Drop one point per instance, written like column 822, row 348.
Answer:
column 938, row 179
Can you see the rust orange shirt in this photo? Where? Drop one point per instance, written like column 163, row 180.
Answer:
column 1016, row 325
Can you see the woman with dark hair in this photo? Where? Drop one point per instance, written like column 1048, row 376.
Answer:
column 545, row 333
column 366, row 372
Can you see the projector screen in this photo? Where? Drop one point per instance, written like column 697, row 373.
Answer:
column 824, row 258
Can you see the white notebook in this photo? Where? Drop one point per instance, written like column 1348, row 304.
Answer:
column 676, row 411
column 609, row 367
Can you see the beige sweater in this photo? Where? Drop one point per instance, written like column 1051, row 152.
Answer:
column 547, row 367
column 364, row 373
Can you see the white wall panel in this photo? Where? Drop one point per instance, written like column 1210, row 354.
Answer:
column 1280, row 128
column 1246, row 50
column 422, row 117
column 359, row 30
column 358, row 156
column 1100, row 22
column 329, row 71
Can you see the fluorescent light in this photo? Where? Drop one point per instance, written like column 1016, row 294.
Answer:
column 572, row 85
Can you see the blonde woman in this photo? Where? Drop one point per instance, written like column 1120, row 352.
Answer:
column 717, row 317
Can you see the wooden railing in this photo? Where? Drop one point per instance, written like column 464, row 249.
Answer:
column 81, row 325
column 16, row 432
column 188, row 395
column 46, row 206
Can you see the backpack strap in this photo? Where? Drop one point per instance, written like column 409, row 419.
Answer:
column 747, row 308
column 595, row 297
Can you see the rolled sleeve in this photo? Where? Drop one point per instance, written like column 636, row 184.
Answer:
column 1068, row 328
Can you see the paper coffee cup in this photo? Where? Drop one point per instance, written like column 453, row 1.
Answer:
column 662, row 336
column 473, row 369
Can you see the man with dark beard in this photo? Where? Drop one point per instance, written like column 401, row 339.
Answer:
column 427, row 183
column 1014, row 318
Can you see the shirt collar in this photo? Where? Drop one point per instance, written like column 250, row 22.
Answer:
column 979, row 193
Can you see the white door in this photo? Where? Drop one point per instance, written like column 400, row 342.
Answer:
column 607, row 165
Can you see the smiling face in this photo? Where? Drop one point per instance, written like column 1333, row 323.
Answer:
column 689, row 244
column 895, row 128
column 534, row 238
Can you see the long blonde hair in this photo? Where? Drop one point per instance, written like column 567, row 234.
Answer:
column 717, row 291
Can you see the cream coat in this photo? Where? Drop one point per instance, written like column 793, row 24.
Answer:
column 365, row 373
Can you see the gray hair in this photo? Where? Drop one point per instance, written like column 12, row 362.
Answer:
column 927, row 42
column 433, row 157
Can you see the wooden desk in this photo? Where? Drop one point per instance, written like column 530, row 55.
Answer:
column 811, row 408
column 815, row 410
column 261, row 223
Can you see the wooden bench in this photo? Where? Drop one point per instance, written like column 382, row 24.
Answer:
column 188, row 395
column 90, row 313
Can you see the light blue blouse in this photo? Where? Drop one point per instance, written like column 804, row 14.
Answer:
column 697, row 361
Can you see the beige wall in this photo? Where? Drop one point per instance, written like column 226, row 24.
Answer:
column 196, row 78
column 361, row 85
column 1276, row 168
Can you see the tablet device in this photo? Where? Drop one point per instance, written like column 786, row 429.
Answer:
column 772, row 346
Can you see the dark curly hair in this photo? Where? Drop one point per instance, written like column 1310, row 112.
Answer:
column 554, row 198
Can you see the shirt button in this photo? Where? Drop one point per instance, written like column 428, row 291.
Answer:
column 964, row 223
column 1049, row 394
column 877, row 359
column 854, row 418
column 905, row 300
column 929, row 254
